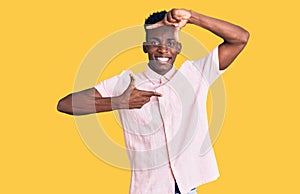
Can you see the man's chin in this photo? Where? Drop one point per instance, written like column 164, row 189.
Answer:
column 163, row 64
column 161, row 68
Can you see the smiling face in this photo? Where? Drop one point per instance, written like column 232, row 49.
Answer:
column 162, row 47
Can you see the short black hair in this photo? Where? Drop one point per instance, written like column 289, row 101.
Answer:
column 155, row 17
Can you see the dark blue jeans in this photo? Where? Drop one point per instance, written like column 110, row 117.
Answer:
column 177, row 189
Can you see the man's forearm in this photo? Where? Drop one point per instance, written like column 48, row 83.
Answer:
column 86, row 102
column 231, row 33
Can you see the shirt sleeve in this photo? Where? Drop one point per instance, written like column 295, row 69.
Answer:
column 209, row 66
column 114, row 86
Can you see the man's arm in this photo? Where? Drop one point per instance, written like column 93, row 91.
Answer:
column 235, row 38
column 90, row 101
column 84, row 102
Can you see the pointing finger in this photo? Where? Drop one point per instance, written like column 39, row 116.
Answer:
column 157, row 94
column 150, row 93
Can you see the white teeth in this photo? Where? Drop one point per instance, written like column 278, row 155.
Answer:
column 163, row 59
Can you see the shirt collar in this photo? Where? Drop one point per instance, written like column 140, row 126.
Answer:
column 155, row 77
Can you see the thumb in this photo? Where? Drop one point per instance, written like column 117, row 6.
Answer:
column 132, row 81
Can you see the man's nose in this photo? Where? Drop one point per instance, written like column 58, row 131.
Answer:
column 163, row 48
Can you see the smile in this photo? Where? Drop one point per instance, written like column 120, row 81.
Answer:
column 163, row 59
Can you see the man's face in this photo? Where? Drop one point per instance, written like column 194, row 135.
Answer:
column 162, row 47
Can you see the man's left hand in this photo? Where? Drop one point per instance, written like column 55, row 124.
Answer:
column 177, row 18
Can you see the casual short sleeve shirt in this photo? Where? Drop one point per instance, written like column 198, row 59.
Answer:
column 164, row 137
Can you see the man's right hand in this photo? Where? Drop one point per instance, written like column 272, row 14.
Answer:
column 133, row 97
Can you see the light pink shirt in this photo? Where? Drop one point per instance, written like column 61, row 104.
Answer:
column 166, row 137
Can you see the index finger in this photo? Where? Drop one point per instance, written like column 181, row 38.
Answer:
column 150, row 93
column 156, row 25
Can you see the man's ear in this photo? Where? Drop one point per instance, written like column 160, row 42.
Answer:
column 145, row 49
column 178, row 48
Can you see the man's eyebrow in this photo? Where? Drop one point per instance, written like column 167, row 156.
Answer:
column 154, row 38
column 158, row 39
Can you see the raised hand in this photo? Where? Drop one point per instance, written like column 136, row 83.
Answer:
column 133, row 97
column 177, row 18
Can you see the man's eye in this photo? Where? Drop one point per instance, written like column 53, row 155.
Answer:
column 154, row 43
column 171, row 44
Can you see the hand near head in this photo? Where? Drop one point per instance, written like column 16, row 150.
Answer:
column 133, row 97
column 177, row 18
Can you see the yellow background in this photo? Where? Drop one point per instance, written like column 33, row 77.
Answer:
column 43, row 43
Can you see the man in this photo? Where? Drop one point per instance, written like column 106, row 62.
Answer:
column 162, row 109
